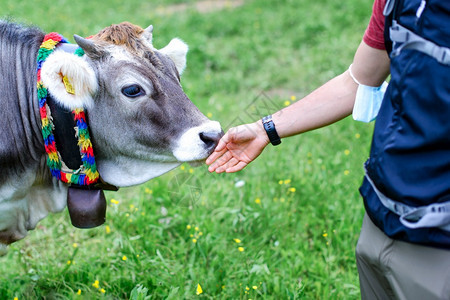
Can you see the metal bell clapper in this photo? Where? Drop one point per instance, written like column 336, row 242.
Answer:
column 87, row 206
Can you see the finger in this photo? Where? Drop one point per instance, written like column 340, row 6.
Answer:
column 230, row 163
column 221, row 161
column 237, row 167
column 223, row 142
column 215, row 155
column 220, row 149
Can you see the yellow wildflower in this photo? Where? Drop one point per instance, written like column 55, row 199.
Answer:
column 258, row 201
column 241, row 249
column 247, row 288
column 114, row 201
column 96, row 284
column 280, row 182
column 196, row 228
column 124, row 258
column 107, row 229
column 69, row 262
column 200, row 233
column 293, row 98
column 75, row 245
column 292, row 189
column 191, row 171
column 15, row 298
column 182, row 168
column 346, row 172
column 325, row 234
column 188, row 226
column 357, row 135
column 148, row 191
column 237, row 241
column 287, row 103
column 209, row 115
column 255, row 287
column 194, row 241
column 102, row 291
column 199, row 289
column 287, row 181
column 131, row 206
column 79, row 292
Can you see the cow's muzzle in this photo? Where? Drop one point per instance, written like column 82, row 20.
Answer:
column 198, row 143
column 211, row 139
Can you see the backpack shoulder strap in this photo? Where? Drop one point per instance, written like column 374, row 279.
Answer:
column 388, row 7
column 390, row 14
column 398, row 37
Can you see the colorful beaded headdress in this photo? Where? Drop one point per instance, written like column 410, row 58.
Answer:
column 87, row 173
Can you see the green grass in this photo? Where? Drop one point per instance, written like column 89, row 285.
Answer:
column 298, row 214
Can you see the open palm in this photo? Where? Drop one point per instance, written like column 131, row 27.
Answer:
column 237, row 148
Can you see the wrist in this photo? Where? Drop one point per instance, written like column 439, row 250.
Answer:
column 261, row 132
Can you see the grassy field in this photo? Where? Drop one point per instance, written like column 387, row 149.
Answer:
column 283, row 228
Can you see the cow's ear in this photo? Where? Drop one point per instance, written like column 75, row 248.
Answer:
column 176, row 50
column 90, row 48
column 148, row 34
column 70, row 80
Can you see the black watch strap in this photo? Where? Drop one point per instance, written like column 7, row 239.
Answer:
column 269, row 126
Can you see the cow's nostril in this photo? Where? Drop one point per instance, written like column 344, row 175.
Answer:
column 210, row 138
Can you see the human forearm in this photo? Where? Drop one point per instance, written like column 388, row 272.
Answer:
column 335, row 99
column 327, row 104
column 331, row 102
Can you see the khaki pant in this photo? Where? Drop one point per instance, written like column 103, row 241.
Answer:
column 390, row 269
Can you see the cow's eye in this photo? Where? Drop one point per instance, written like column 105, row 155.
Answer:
column 133, row 91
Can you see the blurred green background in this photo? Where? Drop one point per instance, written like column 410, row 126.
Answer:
column 284, row 228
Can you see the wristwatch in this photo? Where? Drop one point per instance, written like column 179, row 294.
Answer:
column 269, row 126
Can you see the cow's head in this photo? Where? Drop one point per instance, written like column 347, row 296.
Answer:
column 142, row 123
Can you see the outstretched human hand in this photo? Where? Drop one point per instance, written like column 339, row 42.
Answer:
column 237, row 148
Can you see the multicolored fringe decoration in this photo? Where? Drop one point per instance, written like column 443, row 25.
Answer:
column 87, row 173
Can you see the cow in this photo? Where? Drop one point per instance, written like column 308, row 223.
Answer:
column 141, row 122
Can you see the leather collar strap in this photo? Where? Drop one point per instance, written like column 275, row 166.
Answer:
column 64, row 134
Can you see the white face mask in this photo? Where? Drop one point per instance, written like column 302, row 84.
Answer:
column 368, row 100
